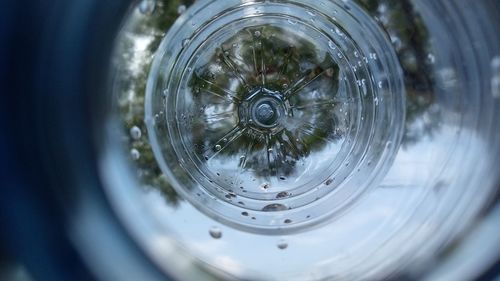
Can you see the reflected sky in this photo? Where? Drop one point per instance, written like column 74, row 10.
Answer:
column 421, row 202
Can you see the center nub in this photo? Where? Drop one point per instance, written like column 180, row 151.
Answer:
column 262, row 110
column 265, row 113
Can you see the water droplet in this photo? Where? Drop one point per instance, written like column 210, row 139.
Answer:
column 147, row 7
column 282, row 194
column 283, row 178
column 495, row 86
column 185, row 42
column 311, row 13
column 274, row 208
column 380, row 84
column 288, row 221
column 215, row 232
column 329, row 181
column 495, row 80
column 181, row 9
column 282, row 244
column 218, row 147
column 265, row 186
column 495, row 64
column 292, row 22
column 135, row 133
column 244, row 214
column 431, row 58
column 135, row 154
column 331, row 45
column 256, row 33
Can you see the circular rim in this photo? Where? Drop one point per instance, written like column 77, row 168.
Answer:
column 185, row 44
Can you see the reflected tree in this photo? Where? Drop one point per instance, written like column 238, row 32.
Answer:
column 143, row 33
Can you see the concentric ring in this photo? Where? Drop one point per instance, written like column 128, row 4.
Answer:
column 285, row 113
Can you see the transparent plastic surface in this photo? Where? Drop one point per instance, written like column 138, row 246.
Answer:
column 267, row 114
column 302, row 140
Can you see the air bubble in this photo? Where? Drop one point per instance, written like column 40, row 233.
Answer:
column 215, row 232
column 185, row 42
column 329, row 181
column 288, row 221
column 256, row 33
column 218, row 147
column 244, row 214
